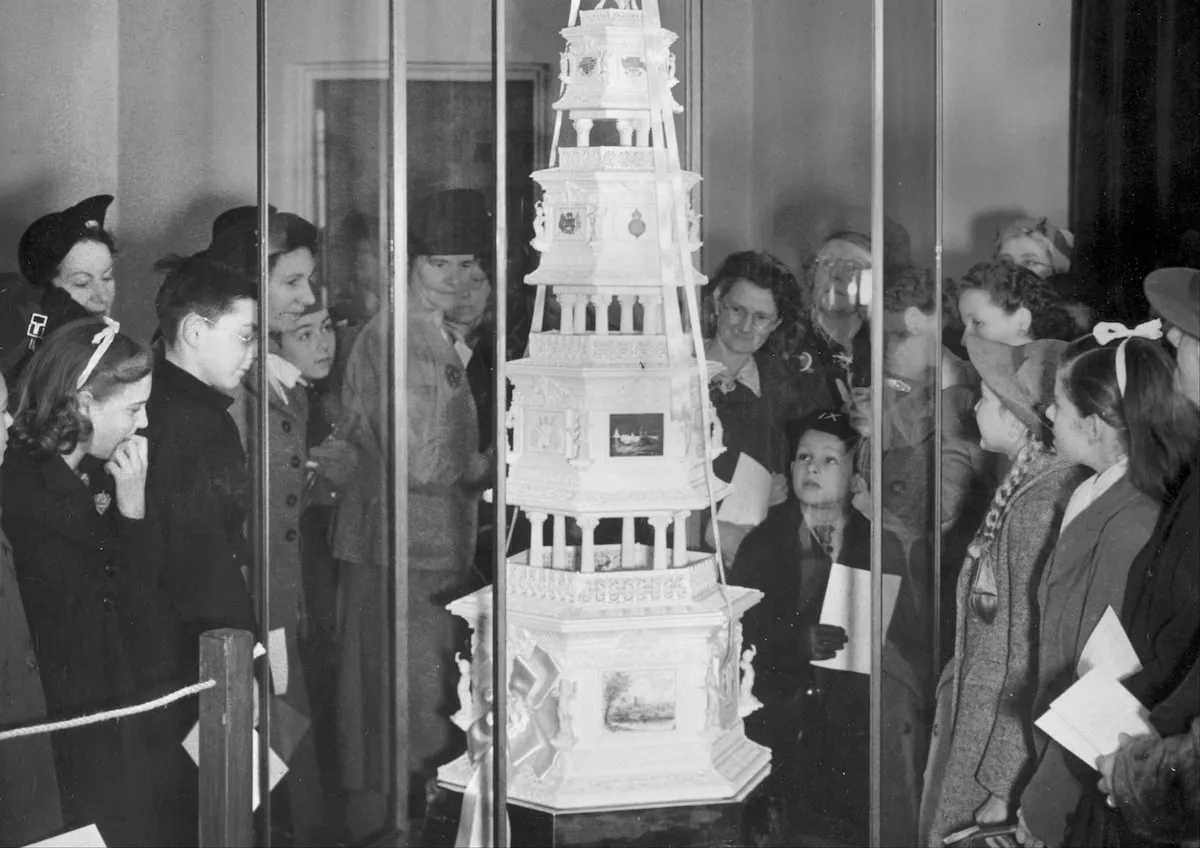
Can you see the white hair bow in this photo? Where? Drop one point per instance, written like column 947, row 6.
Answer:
column 103, row 341
column 1107, row 331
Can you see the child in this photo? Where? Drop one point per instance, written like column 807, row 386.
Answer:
column 198, row 478
column 980, row 749
column 1007, row 303
column 789, row 557
column 1115, row 411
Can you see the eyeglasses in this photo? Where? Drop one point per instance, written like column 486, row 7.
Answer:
column 761, row 321
column 247, row 341
column 843, row 268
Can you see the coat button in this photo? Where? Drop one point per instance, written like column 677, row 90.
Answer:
column 295, row 462
column 287, row 426
column 290, row 535
column 291, row 500
column 108, row 604
column 110, row 570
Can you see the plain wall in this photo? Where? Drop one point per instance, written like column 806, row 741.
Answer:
column 58, row 116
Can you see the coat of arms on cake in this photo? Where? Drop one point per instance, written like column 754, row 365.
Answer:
column 625, row 661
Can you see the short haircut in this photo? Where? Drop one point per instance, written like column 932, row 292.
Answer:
column 201, row 286
column 1012, row 287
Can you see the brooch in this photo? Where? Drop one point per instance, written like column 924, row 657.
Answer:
column 804, row 362
column 453, row 376
column 102, row 501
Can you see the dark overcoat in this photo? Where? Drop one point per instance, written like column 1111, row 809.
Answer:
column 102, row 632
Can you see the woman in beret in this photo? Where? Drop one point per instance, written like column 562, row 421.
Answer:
column 67, row 257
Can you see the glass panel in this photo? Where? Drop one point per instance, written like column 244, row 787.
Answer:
column 913, row 402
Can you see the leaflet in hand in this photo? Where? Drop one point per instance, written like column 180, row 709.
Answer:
column 1089, row 718
column 1109, row 649
column 751, row 493
column 848, row 605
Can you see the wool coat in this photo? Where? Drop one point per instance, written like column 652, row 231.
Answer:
column 1085, row 576
column 103, row 634
column 1161, row 614
column 982, row 741
column 30, row 808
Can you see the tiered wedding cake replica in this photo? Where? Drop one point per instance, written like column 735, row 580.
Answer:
column 627, row 678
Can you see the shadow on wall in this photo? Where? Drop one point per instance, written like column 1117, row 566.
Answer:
column 186, row 232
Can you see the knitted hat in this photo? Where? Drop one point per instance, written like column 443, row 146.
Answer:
column 50, row 238
column 1022, row 377
column 450, row 223
column 1175, row 295
column 1060, row 244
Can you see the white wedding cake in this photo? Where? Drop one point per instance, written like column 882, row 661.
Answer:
column 625, row 659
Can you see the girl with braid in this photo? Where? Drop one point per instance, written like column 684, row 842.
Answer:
column 981, row 748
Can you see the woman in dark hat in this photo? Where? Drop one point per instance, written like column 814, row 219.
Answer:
column 448, row 240
column 67, row 257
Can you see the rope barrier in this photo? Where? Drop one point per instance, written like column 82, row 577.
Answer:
column 108, row 715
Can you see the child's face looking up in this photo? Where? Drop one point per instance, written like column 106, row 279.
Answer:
column 822, row 470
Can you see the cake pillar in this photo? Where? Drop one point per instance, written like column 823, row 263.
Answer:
column 659, row 523
column 537, row 521
column 642, row 129
column 627, row 301
column 567, row 322
column 679, row 549
column 583, row 132
column 581, row 305
column 587, row 556
column 627, row 555
column 558, row 554
column 652, row 320
column 625, row 133
column 600, row 303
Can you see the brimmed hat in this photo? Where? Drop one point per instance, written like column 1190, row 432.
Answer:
column 1175, row 295
column 50, row 238
column 235, row 236
column 450, row 223
column 1022, row 377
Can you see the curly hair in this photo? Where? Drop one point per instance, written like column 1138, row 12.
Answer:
column 1012, row 287
column 1157, row 425
column 769, row 273
column 48, row 418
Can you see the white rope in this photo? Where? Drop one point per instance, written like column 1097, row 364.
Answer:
column 109, row 715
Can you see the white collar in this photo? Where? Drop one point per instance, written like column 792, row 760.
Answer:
column 1090, row 490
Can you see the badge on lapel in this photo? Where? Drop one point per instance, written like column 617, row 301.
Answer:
column 453, row 376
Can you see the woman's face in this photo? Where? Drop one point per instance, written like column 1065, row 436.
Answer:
column 1027, row 252
column 5, row 418
column 1187, row 363
column 746, row 317
column 822, row 470
column 117, row 417
column 999, row 430
column 1072, row 431
column 86, row 274
column 983, row 318
column 290, row 288
column 838, row 285
column 442, row 279
column 310, row 346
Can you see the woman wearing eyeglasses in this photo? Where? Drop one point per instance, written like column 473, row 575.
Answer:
column 755, row 335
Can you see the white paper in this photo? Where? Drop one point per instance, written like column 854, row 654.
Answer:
column 751, row 492
column 84, row 837
column 1109, row 649
column 848, row 605
column 259, row 650
column 277, row 768
column 277, row 657
column 1089, row 718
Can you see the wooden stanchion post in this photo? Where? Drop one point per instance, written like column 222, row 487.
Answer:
column 226, row 718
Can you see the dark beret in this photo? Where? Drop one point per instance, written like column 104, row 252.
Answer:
column 450, row 223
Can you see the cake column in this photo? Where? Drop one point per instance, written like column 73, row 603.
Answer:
column 537, row 521
column 566, row 322
column 627, row 301
column 587, row 556
column 600, row 302
column 581, row 305
column 679, row 550
column 558, row 555
column 583, row 131
column 627, row 555
column 625, row 132
column 659, row 523
column 652, row 320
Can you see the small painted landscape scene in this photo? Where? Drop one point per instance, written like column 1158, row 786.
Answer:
column 639, row 702
column 636, row 434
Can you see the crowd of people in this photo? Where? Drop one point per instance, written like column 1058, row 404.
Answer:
column 1066, row 488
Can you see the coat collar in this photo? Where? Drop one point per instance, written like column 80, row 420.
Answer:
column 184, row 383
column 49, row 492
column 1099, row 512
